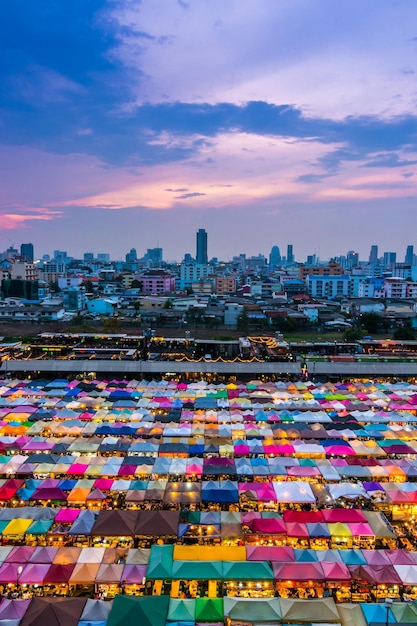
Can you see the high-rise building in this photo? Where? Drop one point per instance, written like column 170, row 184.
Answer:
column 275, row 257
column 409, row 256
column 154, row 256
column 373, row 255
column 352, row 259
column 60, row 256
column 201, row 256
column 131, row 256
column 290, row 254
column 390, row 258
column 26, row 251
column 88, row 256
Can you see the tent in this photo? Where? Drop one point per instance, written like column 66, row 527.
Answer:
column 54, row 612
column 143, row 610
column 96, row 610
column 316, row 610
column 197, row 570
column 351, row 615
column 181, row 610
column 252, row 610
column 209, row 610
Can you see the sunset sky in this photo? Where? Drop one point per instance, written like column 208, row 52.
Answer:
column 128, row 123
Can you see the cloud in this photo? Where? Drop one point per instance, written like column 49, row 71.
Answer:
column 177, row 190
column 185, row 196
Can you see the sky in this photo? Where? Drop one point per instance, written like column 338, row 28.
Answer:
column 133, row 123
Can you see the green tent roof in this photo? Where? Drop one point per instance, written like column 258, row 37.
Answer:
column 197, row 570
column 209, row 610
column 160, row 563
column 39, row 527
column 247, row 570
column 143, row 610
column 181, row 610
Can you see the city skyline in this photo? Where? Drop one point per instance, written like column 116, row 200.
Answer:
column 125, row 123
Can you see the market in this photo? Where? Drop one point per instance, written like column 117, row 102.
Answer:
column 255, row 502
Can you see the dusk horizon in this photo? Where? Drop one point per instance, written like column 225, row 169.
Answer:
column 133, row 124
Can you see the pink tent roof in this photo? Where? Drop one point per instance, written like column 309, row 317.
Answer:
column 9, row 572
column 77, row 468
column 344, row 515
column 298, row 571
column 377, row 574
column 279, row 554
column 335, row 571
column 360, row 528
column 304, row 517
column 295, row 529
column 303, row 470
column 20, row 554
column 268, row 526
column 67, row 515
column 34, row 573
column 103, row 483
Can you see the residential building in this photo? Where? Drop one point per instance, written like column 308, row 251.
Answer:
column 332, row 269
column 328, row 287
column 225, row 285
column 20, row 270
column 191, row 273
column 157, row 281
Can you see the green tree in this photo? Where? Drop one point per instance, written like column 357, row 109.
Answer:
column 372, row 322
column 137, row 284
column 243, row 321
column 353, row 334
column 168, row 304
column 405, row 333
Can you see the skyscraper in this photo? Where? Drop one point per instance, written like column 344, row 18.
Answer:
column 290, row 254
column 409, row 255
column 26, row 250
column 201, row 255
column 275, row 257
column 373, row 255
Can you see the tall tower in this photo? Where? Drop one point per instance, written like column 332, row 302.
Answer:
column 275, row 257
column 409, row 255
column 26, row 250
column 290, row 254
column 201, row 256
column 373, row 255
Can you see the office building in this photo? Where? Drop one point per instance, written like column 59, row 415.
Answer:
column 201, row 256
column 373, row 255
column 274, row 257
column 26, row 251
column 290, row 254
column 409, row 256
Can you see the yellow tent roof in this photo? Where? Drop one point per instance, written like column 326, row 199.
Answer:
column 17, row 526
column 210, row 553
column 339, row 529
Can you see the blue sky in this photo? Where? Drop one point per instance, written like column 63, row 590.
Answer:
column 127, row 123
